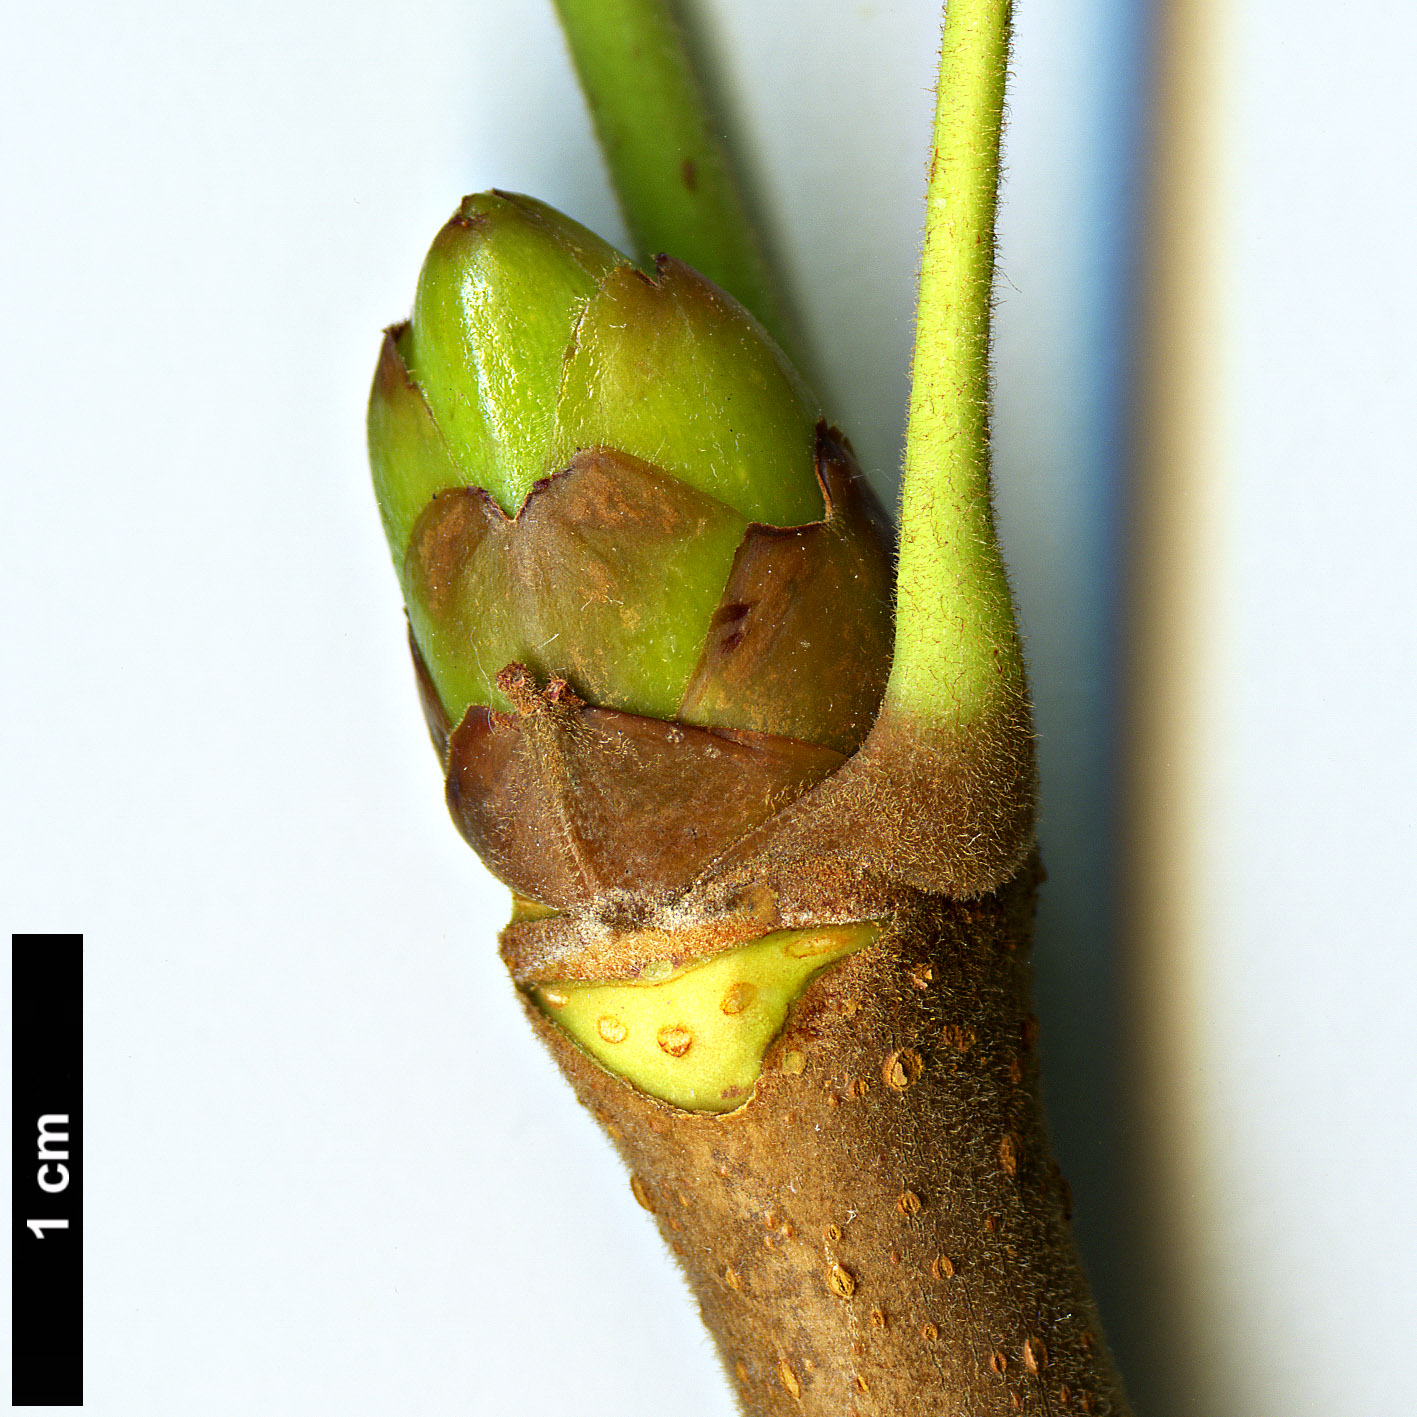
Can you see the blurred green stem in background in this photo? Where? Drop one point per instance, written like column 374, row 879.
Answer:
column 668, row 160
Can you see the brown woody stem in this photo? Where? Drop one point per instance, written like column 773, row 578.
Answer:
column 881, row 1230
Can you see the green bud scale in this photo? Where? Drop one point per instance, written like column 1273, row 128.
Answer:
column 612, row 483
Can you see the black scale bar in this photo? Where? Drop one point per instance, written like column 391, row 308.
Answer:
column 47, row 1276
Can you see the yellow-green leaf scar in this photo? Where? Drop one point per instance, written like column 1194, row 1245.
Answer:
column 696, row 1036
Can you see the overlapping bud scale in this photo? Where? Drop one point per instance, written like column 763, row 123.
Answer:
column 648, row 591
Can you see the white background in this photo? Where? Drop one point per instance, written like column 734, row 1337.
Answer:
column 327, row 1171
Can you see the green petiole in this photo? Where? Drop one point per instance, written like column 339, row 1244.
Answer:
column 957, row 651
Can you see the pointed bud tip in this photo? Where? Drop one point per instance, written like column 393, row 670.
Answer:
column 656, row 416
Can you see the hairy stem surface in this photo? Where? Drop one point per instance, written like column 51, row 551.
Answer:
column 957, row 654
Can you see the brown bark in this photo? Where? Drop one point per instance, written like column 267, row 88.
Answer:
column 880, row 1231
